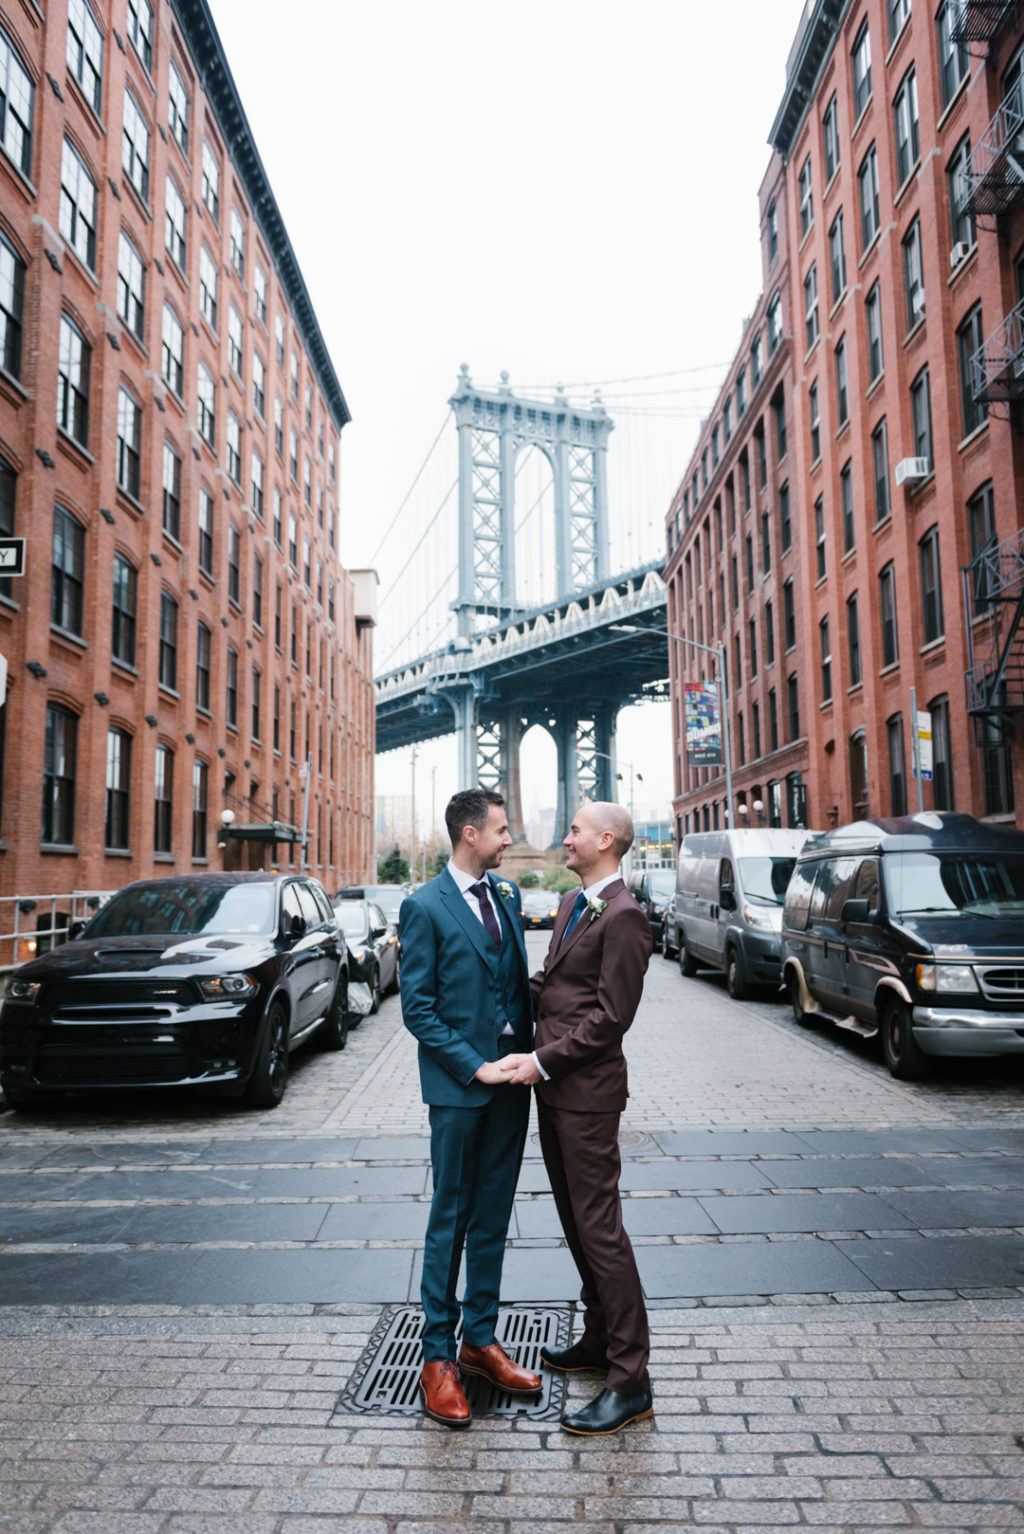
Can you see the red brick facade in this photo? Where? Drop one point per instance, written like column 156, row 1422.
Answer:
column 183, row 601
column 873, row 292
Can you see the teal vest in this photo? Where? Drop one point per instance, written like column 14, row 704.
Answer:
column 511, row 996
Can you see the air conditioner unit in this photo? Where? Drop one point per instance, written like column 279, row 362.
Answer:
column 909, row 469
column 961, row 250
column 917, row 301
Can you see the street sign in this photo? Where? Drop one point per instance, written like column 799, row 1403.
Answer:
column 12, row 556
column 924, row 747
column 703, row 728
column 3, row 679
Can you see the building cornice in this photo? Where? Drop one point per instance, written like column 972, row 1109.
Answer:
column 811, row 50
column 204, row 44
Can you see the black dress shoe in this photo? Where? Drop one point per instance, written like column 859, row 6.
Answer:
column 608, row 1412
column 574, row 1359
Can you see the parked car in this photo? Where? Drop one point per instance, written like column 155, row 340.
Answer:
column 388, row 896
column 668, row 928
column 372, row 944
column 911, row 928
column 653, row 888
column 727, row 912
column 198, row 979
column 540, row 907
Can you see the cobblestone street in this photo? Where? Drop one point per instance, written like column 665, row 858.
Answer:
column 834, row 1263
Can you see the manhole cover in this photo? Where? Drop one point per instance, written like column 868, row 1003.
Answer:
column 387, row 1375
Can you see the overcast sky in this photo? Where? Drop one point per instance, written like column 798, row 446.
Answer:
column 563, row 190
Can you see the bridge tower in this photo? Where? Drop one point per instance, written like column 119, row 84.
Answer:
column 493, row 426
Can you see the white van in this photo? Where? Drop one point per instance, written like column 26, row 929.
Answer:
column 727, row 912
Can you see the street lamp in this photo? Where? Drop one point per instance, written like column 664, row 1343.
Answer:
column 718, row 651
column 632, row 773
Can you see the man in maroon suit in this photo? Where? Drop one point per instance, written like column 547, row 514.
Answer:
column 586, row 997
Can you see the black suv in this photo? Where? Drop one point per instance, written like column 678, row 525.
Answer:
column 911, row 928
column 203, row 979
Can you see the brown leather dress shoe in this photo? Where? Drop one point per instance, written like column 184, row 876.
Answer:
column 443, row 1396
column 492, row 1363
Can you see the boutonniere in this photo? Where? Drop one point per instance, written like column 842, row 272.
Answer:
column 595, row 906
column 505, row 889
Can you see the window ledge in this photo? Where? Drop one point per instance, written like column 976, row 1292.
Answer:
column 914, row 329
column 870, row 246
column 117, row 852
column 865, row 109
column 907, row 183
column 136, row 195
column 203, row 712
column 163, row 857
column 826, row 703
column 874, row 384
column 74, row 449
column 203, row 862
column 888, row 670
column 972, row 436
column 933, row 645
column 169, row 692
column 962, row 266
column 954, row 102
column 856, row 687
column 11, row 388
column 65, row 636
column 125, row 666
column 883, row 523
column 125, row 498
column 58, row 849
column 9, row 602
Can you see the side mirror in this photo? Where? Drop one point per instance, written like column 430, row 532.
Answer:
column 75, row 930
column 297, row 926
column 855, row 910
column 727, row 899
column 378, row 931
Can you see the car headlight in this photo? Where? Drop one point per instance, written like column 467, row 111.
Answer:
column 946, row 977
column 23, row 990
column 756, row 917
column 227, row 987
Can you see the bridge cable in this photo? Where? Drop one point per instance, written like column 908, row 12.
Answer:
column 412, row 487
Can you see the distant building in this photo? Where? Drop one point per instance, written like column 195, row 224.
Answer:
column 185, row 636
column 865, row 449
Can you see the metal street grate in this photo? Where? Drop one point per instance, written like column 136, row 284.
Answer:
column 386, row 1378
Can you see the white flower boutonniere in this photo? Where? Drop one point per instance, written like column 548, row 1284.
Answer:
column 505, row 889
column 595, row 906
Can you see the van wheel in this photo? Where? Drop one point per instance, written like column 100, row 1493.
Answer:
column 903, row 1055
column 736, row 982
column 687, row 963
column 800, row 1017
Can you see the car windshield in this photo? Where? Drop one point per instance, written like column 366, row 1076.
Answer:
column 352, row 918
column 539, row 900
column 189, row 908
column 944, row 883
column 765, row 880
column 662, row 882
column 389, row 897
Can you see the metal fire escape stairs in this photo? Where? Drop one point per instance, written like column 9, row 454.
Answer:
column 994, row 591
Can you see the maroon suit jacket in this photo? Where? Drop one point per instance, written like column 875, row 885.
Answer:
column 586, row 997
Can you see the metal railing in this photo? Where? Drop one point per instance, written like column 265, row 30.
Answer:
column 995, row 168
column 978, row 21
column 997, row 367
column 33, row 924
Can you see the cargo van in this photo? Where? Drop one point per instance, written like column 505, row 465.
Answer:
column 727, row 911
column 911, row 928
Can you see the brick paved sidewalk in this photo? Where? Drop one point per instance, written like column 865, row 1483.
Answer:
column 134, row 1424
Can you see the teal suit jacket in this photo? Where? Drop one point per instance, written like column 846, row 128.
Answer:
column 450, row 992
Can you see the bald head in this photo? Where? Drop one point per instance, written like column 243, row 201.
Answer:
column 600, row 836
column 605, row 816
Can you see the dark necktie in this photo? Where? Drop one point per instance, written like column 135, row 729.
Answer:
column 578, row 909
column 487, row 911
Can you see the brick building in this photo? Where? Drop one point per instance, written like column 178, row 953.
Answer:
column 184, row 636
column 886, row 432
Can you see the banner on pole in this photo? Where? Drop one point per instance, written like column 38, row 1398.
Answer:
column 703, row 726
column 924, row 745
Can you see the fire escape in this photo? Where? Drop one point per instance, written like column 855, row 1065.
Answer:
column 994, row 590
column 978, row 21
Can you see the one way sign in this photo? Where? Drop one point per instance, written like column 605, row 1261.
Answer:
column 12, row 556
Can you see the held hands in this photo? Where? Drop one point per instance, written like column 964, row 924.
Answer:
column 517, row 1070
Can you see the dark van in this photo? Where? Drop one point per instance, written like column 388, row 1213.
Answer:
column 911, row 928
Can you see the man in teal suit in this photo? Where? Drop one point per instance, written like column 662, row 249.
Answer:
column 466, row 998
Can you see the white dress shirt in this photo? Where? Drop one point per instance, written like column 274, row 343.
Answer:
column 465, row 882
column 591, row 892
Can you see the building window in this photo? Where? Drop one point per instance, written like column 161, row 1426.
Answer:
column 163, row 799
column 233, row 437
column 931, row 586
column 793, row 701
column 257, row 591
column 307, row 564
column 206, row 404
column 307, row 483
column 853, row 638
column 259, row 292
column 12, row 308
column 277, row 516
column 174, row 222
column 293, row 543
column 8, row 495
column 67, row 582
column 277, row 719
column 234, row 567
column 85, row 52
column 825, row 645
column 168, row 653
column 77, row 206
column 235, row 341
column 981, row 522
column 178, row 108
column 785, row 521
column 897, row 766
column 772, row 223
column 837, row 257
column 206, row 532
column 171, row 493
column 135, row 147
column 139, row 23
column 278, row 426
column 17, row 106
column 861, row 71
column 200, row 779
column 232, row 687
column 970, row 337
column 806, row 197
column 726, row 431
column 259, row 385
column 859, row 774
column 887, row 614
column 131, row 286
column 59, row 771
column 211, row 182
column 899, row 14
column 203, row 641
column 942, row 760
column 867, row 182
column 907, row 126
column 73, row 382
column 756, row 362
column 741, row 405
column 880, row 461
column 237, row 241
column 961, row 218
column 257, row 690
column 279, row 338
column 119, row 775
column 842, row 383
column 257, row 485
column 748, row 545
column 766, row 542
column 293, row 454
column 921, row 415
column 819, row 537
column 873, row 313
column 309, row 407
column 172, row 355
column 774, row 318
column 773, row 721
column 295, row 376
column 913, row 274
column 997, row 770
column 814, row 408
column 811, row 329
column 847, row 505
column 208, row 287
column 129, row 443
column 788, row 615
column 954, row 58
column 125, row 606
column 830, row 137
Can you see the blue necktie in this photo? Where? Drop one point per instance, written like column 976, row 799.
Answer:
column 577, row 911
